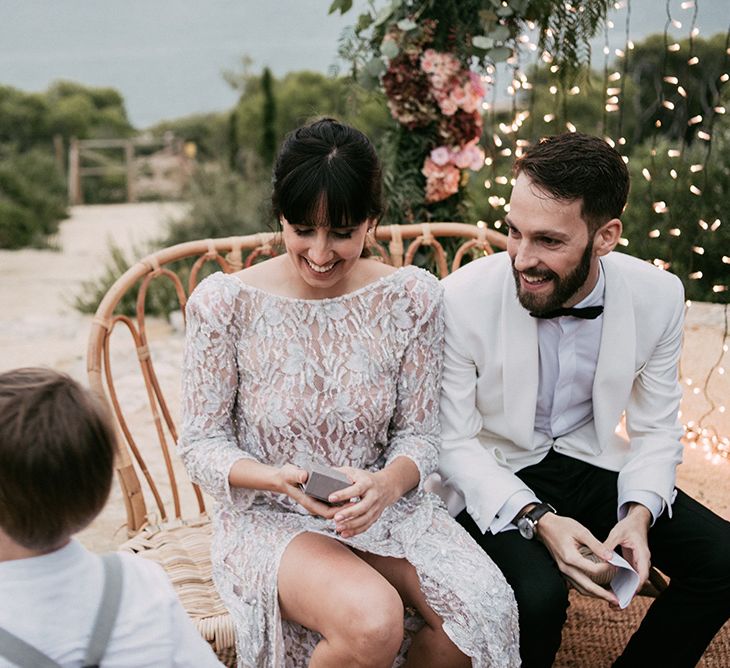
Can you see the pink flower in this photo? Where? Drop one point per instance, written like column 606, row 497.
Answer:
column 458, row 96
column 470, row 157
column 448, row 106
column 441, row 181
column 428, row 61
column 476, row 83
column 440, row 155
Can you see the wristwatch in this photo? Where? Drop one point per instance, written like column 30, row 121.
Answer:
column 527, row 523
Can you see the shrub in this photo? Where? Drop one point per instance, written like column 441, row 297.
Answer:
column 32, row 198
column 222, row 204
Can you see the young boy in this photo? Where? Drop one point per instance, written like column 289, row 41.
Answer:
column 56, row 467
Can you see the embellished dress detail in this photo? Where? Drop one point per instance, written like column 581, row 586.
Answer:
column 348, row 381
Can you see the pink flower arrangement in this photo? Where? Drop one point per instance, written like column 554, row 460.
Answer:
column 452, row 86
column 425, row 87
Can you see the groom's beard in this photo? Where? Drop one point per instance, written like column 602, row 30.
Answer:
column 564, row 287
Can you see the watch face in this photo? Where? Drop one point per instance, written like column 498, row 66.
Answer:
column 526, row 528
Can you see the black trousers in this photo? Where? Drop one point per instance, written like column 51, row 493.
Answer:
column 692, row 548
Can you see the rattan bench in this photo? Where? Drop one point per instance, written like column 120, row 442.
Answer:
column 157, row 526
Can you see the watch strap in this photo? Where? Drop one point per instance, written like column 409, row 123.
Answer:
column 536, row 512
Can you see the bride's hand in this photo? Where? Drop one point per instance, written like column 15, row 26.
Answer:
column 374, row 493
column 289, row 477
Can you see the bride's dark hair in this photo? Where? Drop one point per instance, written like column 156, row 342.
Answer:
column 327, row 173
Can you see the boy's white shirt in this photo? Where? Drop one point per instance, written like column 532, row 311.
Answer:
column 51, row 602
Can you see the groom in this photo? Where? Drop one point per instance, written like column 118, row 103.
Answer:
column 548, row 347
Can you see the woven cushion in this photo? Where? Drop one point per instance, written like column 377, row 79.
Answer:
column 184, row 552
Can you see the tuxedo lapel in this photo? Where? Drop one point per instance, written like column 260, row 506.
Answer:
column 521, row 365
column 615, row 367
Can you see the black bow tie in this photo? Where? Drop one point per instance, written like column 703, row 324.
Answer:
column 587, row 313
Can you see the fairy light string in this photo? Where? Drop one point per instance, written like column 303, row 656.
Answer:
column 672, row 106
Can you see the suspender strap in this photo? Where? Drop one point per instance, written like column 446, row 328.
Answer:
column 20, row 653
column 108, row 609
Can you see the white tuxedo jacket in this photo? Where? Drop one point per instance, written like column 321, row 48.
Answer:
column 491, row 377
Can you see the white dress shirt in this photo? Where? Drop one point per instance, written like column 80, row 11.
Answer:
column 51, row 602
column 568, row 354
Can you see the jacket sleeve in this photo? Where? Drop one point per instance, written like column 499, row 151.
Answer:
column 652, row 414
column 468, row 464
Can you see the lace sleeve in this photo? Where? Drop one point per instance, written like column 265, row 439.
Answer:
column 208, row 443
column 414, row 430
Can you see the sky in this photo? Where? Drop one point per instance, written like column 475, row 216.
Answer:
column 166, row 57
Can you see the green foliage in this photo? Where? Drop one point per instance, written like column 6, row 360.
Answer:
column 32, row 191
column 67, row 109
column 385, row 48
column 268, row 130
column 222, row 204
column 687, row 224
column 209, row 133
column 32, row 197
column 651, row 64
column 299, row 97
column 23, row 118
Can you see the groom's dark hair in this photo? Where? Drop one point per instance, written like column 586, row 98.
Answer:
column 575, row 166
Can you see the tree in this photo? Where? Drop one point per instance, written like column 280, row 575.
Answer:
column 671, row 90
column 268, row 134
column 299, row 97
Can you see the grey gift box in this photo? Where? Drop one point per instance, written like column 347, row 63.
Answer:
column 323, row 481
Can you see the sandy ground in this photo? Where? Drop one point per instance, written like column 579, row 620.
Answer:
column 38, row 326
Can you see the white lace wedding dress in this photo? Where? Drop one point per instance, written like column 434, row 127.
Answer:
column 352, row 380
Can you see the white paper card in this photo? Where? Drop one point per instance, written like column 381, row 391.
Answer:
column 626, row 581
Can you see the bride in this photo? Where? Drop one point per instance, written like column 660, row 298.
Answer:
column 324, row 355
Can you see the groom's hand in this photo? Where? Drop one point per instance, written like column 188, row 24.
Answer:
column 563, row 537
column 631, row 533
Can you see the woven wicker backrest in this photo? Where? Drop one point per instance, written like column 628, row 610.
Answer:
column 397, row 245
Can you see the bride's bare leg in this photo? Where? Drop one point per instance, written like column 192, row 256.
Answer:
column 431, row 647
column 326, row 587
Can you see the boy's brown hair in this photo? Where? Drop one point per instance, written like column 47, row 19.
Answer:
column 56, row 457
